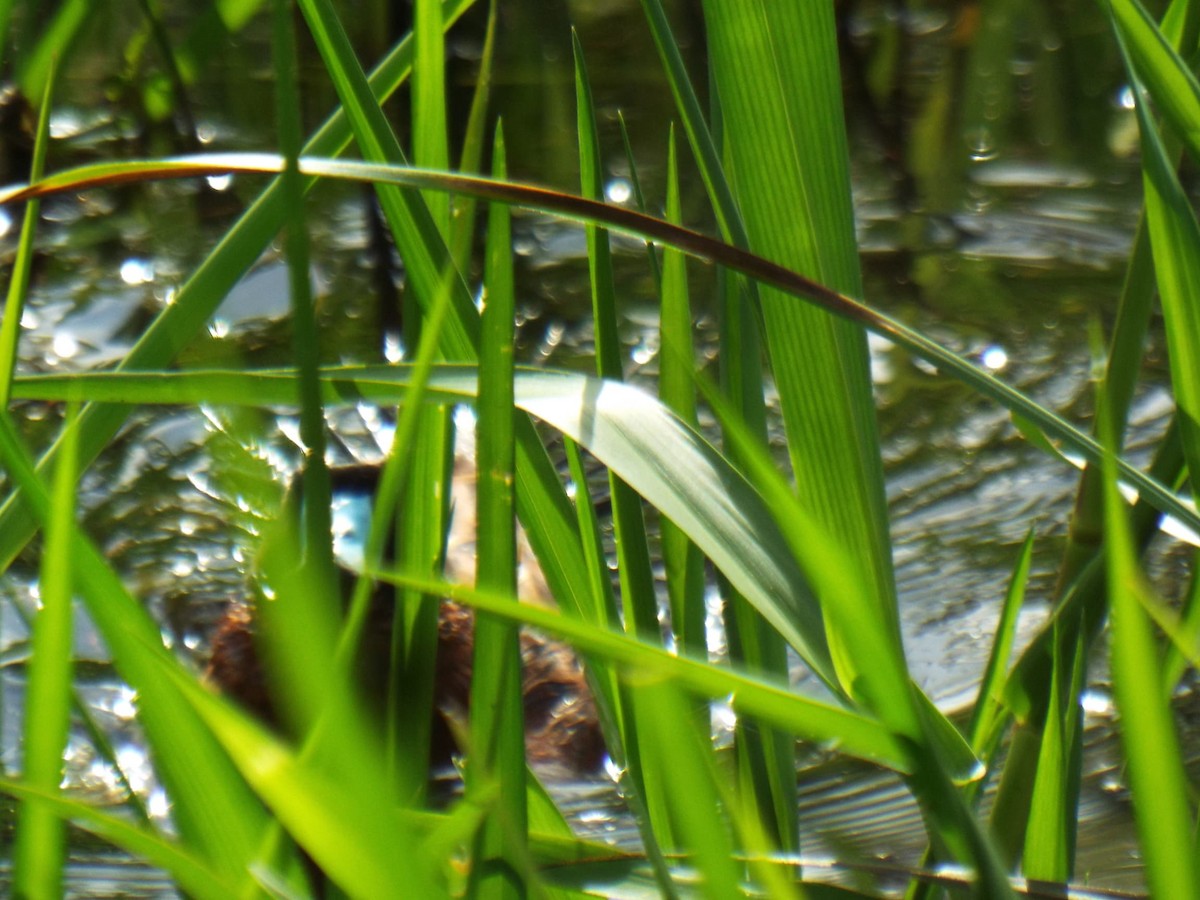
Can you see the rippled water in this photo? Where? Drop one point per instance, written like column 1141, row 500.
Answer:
column 1009, row 270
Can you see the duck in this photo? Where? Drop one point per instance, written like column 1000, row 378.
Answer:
column 562, row 727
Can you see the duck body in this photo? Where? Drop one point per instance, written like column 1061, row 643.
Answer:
column 562, row 730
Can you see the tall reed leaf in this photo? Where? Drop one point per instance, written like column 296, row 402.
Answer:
column 776, row 78
column 853, row 733
column 775, row 67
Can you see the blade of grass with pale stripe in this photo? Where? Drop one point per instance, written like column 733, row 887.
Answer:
column 1151, row 489
column 672, row 466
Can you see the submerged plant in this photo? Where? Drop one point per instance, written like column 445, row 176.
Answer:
column 804, row 560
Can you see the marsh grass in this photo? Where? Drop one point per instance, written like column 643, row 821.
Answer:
column 804, row 558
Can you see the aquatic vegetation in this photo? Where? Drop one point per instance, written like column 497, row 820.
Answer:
column 804, row 559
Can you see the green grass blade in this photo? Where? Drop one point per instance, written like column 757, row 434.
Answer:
column 1169, row 79
column 639, row 600
column 430, row 141
column 40, row 849
column 462, row 222
column 988, row 712
column 609, row 363
column 1121, row 376
column 765, row 761
column 682, row 757
column 776, row 70
column 318, row 548
column 1155, row 763
column 542, row 503
column 424, row 452
column 681, row 558
column 639, row 196
column 941, row 760
column 1175, row 239
column 1050, row 835
column 341, row 775
column 339, row 819
column 497, row 716
column 619, row 723
column 819, row 365
column 602, row 609
column 1180, row 27
column 637, row 579
column 708, row 157
column 1179, row 659
column 54, row 44
column 417, row 234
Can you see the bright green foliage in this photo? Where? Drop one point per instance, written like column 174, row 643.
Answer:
column 804, row 558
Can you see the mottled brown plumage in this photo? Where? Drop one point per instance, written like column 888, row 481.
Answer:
column 561, row 726
column 562, row 730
